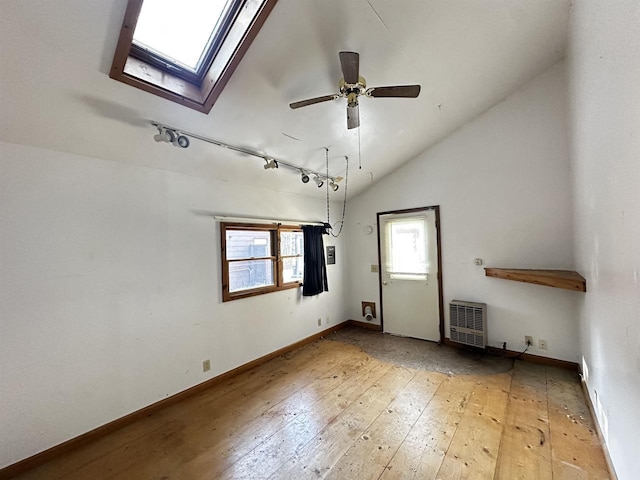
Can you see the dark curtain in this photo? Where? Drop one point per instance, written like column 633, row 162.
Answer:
column 315, row 269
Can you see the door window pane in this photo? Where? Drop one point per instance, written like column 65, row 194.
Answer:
column 406, row 248
column 248, row 274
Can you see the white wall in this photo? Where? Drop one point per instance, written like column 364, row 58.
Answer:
column 110, row 291
column 502, row 183
column 604, row 68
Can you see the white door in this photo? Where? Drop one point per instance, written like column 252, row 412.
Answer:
column 409, row 274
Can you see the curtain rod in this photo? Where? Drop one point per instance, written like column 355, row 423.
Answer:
column 248, row 151
column 265, row 220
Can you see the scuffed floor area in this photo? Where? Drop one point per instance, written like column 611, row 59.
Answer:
column 421, row 354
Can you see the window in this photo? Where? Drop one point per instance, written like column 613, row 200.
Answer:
column 186, row 51
column 259, row 259
column 406, row 252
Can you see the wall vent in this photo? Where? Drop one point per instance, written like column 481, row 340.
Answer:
column 468, row 323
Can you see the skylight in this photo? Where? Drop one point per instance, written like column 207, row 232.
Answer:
column 186, row 51
column 180, row 33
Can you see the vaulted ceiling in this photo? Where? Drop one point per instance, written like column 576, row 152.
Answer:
column 55, row 91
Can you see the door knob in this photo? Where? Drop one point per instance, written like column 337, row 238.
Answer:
column 384, row 283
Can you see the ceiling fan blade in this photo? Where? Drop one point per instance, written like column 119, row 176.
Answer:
column 311, row 101
column 406, row 91
column 353, row 116
column 350, row 63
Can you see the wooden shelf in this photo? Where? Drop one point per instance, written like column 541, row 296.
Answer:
column 566, row 279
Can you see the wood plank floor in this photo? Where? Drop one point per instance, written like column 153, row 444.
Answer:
column 329, row 410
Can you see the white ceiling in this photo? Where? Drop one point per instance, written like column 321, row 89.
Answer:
column 467, row 55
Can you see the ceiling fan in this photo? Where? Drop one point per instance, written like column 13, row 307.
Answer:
column 352, row 85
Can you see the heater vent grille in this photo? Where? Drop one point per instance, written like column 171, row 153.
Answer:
column 468, row 323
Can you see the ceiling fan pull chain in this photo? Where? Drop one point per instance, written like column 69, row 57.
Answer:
column 359, row 152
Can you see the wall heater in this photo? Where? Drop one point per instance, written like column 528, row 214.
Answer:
column 468, row 323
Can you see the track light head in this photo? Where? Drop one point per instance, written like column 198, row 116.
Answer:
column 181, row 141
column 334, row 186
column 164, row 135
column 270, row 163
column 304, row 177
column 318, row 180
column 159, row 137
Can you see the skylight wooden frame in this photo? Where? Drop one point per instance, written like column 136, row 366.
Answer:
column 152, row 79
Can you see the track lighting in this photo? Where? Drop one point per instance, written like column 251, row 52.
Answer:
column 171, row 136
column 182, row 139
column 270, row 163
column 165, row 135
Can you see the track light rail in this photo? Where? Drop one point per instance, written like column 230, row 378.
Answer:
column 178, row 133
column 223, row 218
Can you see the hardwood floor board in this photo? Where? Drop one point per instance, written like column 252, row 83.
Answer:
column 239, row 438
column 329, row 410
column 525, row 451
column 473, row 452
column 122, row 452
column 421, row 453
column 373, row 450
column 317, row 458
column 283, row 444
column 223, row 434
column 252, row 383
column 575, row 448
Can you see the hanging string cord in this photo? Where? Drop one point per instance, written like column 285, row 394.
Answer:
column 344, row 203
column 326, row 161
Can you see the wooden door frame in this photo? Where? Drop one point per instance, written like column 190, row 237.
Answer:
column 436, row 209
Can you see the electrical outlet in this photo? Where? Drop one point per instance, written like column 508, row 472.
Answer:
column 327, row 319
column 542, row 344
column 528, row 340
column 320, row 322
column 206, row 365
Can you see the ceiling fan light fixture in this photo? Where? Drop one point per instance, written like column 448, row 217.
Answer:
column 353, row 116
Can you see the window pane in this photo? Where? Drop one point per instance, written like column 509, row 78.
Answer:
column 407, row 252
column 250, row 274
column 178, row 32
column 292, row 269
column 248, row 244
column 291, row 243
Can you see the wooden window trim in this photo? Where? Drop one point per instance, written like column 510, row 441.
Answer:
column 145, row 76
column 277, row 260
